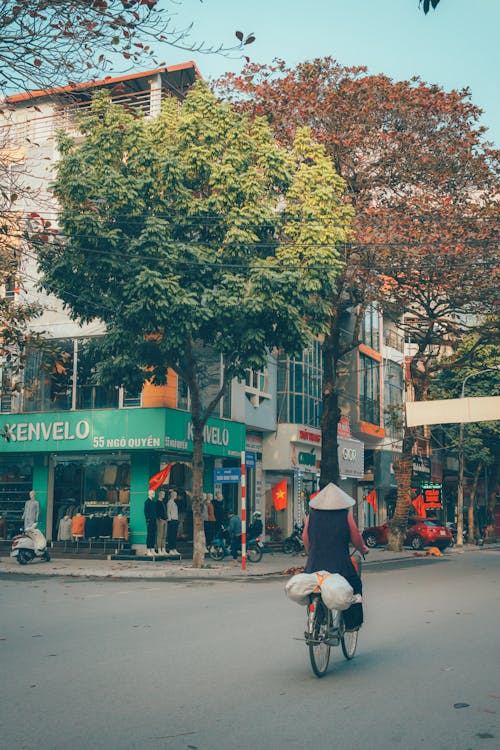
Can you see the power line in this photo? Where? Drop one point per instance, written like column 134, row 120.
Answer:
column 456, row 262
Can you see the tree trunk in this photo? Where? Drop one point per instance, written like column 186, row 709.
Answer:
column 403, row 470
column 489, row 534
column 199, row 543
column 472, row 505
column 198, row 420
column 331, row 412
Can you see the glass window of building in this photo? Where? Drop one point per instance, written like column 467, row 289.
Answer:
column 393, row 398
column 369, row 389
column 211, row 372
column 182, row 394
column 370, row 328
column 300, row 387
column 256, row 384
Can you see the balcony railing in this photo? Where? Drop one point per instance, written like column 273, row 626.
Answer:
column 394, row 340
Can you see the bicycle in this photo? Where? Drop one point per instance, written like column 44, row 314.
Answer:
column 326, row 629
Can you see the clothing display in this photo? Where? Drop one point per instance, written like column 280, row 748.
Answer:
column 78, row 525
column 150, row 516
column 64, row 532
column 31, row 512
column 172, row 528
column 110, row 473
column 172, row 510
column 120, row 527
column 98, row 526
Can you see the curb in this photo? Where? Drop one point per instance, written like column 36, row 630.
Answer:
column 209, row 574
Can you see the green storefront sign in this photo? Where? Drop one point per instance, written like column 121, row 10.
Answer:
column 116, row 429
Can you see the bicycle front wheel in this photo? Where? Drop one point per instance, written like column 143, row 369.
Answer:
column 319, row 651
column 348, row 641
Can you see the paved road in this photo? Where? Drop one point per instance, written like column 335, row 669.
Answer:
column 212, row 665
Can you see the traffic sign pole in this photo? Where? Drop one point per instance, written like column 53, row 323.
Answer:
column 243, row 512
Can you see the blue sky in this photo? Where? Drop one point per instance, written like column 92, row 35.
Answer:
column 455, row 46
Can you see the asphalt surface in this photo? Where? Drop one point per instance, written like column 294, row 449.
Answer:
column 273, row 564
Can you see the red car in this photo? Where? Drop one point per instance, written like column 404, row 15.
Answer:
column 421, row 532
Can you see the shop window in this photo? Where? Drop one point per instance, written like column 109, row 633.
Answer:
column 16, row 481
column 96, row 486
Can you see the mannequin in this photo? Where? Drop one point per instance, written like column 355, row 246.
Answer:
column 172, row 523
column 64, row 529
column 150, row 516
column 161, row 523
column 3, row 527
column 31, row 510
column 78, row 526
column 120, row 527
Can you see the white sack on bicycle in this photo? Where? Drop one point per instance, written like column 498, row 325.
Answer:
column 336, row 591
column 300, row 586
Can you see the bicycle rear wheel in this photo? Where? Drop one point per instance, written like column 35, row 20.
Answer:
column 319, row 621
column 348, row 641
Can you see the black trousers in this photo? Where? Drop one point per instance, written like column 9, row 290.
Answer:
column 151, row 534
column 172, row 527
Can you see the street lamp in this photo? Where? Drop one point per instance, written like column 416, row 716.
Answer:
column 460, row 490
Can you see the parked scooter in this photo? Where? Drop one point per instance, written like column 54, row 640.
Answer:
column 293, row 544
column 29, row 545
column 221, row 546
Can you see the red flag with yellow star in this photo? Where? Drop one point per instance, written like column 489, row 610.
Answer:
column 280, row 495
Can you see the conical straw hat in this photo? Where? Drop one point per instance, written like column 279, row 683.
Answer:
column 332, row 497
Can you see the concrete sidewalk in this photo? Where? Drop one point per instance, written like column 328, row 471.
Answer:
column 273, row 564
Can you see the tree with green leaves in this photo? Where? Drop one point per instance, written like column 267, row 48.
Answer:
column 194, row 230
column 425, row 184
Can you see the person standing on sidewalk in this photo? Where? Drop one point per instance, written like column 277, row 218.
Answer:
column 172, row 523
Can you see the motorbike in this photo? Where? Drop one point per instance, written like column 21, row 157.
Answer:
column 221, row 546
column 453, row 528
column 293, row 544
column 28, row 545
